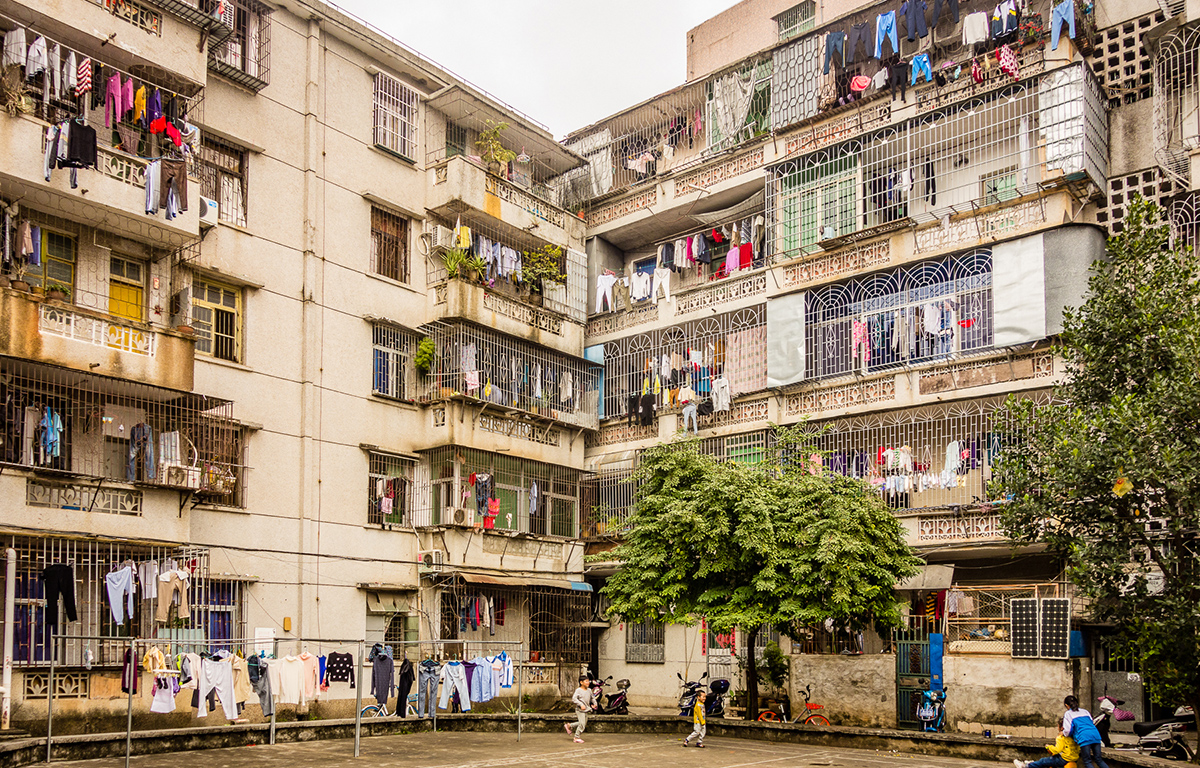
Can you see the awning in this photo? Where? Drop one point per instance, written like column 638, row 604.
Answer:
column 755, row 204
column 930, row 577
column 524, row 581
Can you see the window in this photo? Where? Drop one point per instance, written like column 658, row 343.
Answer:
column 126, row 288
column 223, row 602
column 999, row 186
column 220, row 449
column 819, row 203
column 391, row 358
column 245, row 57
column 389, row 245
column 216, row 318
column 456, row 140
column 645, row 642
column 222, row 168
column 402, row 628
column 797, row 20
column 389, row 489
column 58, row 256
column 395, row 116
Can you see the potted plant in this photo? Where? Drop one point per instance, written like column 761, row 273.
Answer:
column 456, row 261
column 476, row 268
column 13, row 98
column 542, row 265
column 58, row 292
column 491, row 151
column 423, row 360
column 18, row 282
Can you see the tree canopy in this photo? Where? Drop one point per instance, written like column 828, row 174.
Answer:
column 1109, row 474
column 779, row 542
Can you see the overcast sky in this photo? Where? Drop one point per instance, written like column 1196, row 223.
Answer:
column 566, row 63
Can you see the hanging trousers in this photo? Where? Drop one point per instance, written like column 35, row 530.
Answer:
column 58, row 579
column 427, row 683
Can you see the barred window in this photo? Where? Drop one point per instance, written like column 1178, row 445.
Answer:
column 221, row 454
column 645, row 642
column 391, row 358
column 389, row 489
column 222, row 168
column 395, row 116
column 245, row 55
column 797, row 20
column 217, row 319
column 389, row 245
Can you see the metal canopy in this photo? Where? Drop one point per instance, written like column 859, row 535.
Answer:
column 524, row 581
column 465, row 107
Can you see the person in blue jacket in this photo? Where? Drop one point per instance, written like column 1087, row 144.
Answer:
column 1077, row 723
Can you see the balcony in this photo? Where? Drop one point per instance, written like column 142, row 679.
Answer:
column 457, row 182
column 506, row 376
column 68, row 423
column 516, row 313
column 139, row 37
column 938, row 528
column 994, row 153
column 73, row 337
column 1176, row 120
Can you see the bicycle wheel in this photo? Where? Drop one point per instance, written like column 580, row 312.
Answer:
column 372, row 710
column 768, row 717
column 816, row 720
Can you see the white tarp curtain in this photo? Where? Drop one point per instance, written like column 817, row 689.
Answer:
column 755, row 204
column 1060, row 106
column 730, row 104
column 785, row 339
column 1019, row 291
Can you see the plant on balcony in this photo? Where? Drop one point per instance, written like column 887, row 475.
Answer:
column 542, row 265
column 13, row 98
column 476, row 268
column 426, row 354
column 1033, row 31
column 456, row 262
column 491, row 151
column 58, row 292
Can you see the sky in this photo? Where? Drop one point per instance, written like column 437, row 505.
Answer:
column 565, row 63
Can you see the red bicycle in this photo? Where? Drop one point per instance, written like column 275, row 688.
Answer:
column 810, row 716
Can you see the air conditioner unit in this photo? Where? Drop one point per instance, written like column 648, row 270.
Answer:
column 463, row 517
column 430, row 560
column 180, row 476
column 440, row 238
column 208, row 212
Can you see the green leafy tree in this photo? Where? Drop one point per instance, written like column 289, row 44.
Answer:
column 1109, row 474
column 746, row 545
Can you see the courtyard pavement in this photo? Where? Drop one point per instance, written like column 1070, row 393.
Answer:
column 535, row 750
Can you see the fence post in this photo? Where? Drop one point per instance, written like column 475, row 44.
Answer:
column 274, row 705
column 358, row 701
column 50, row 698
column 520, row 680
column 133, row 676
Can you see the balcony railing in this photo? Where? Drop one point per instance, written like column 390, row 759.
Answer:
column 1176, row 89
column 992, row 151
column 64, row 322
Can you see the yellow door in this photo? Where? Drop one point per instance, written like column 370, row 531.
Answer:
column 125, row 300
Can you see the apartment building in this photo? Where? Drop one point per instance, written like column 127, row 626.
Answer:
column 876, row 233
column 232, row 348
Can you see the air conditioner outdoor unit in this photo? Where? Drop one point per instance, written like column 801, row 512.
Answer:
column 430, row 560
column 180, row 476
column 208, row 212
column 460, row 516
column 440, row 238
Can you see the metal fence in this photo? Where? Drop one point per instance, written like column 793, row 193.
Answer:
column 979, row 619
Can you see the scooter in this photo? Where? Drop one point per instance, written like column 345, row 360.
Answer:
column 1164, row 738
column 597, row 686
column 618, row 703
column 714, row 705
column 932, row 711
column 1110, row 710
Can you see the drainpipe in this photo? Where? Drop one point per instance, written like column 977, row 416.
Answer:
column 10, row 602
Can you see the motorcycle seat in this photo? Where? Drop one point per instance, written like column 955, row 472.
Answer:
column 1141, row 729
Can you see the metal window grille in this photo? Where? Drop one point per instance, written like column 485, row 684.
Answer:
column 389, row 489
column 1176, row 99
column 982, row 619
column 1051, row 131
column 92, row 426
column 817, row 639
column 216, row 606
column 796, row 20
column 395, row 116
column 612, row 504
column 552, row 511
column 402, row 628
column 389, row 245
column 645, row 642
column 732, row 344
column 456, row 140
column 216, row 312
column 909, row 315
column 553, row 622
column 223, row 175
column 479, row 364
column 245, row 55
column 392, row 372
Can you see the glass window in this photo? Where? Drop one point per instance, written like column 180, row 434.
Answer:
column 58, row 257
column 222, row 169
column 389, row 489
column 395, row 116
column 456, row 140
column 391, row 370
column 1000, row 186
column 797, row 20
column 389, row 245
column 645, row 642
column 216, row 318
column 126, row 288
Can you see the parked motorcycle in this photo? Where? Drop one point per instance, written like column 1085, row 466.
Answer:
column 1110, row 710
column 932, row 711
column 714, row 705
column 618, row 703
column 1164, row 738
column 597, row 684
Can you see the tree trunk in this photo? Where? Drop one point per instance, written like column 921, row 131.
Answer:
column 1196, row 715
column 751, row 675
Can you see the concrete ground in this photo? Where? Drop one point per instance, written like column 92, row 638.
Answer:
column 535, row 750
